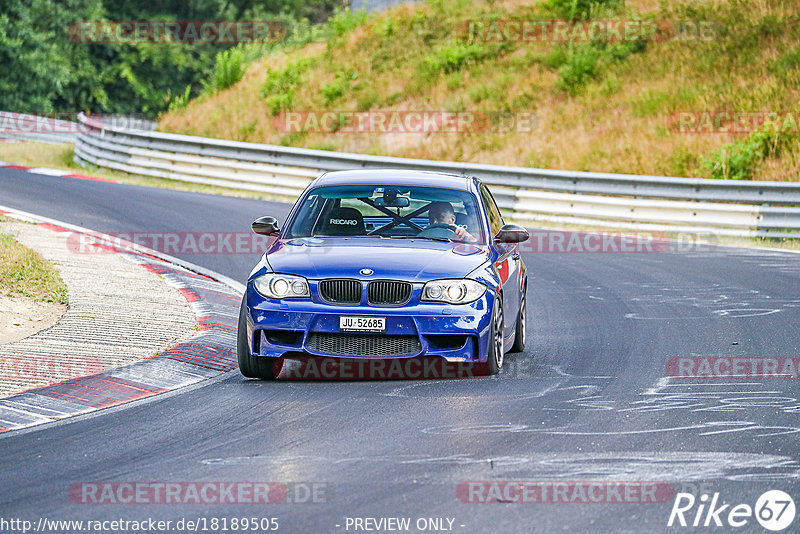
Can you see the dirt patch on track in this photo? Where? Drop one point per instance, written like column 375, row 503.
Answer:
column 21, row 317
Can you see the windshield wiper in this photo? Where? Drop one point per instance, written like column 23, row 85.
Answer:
column 345, row 236
column 444, row 239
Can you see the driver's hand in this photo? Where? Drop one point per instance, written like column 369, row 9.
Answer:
column 463, row 235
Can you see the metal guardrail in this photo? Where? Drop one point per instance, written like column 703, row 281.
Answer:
column 692, row 205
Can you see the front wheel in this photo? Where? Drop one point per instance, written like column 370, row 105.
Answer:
column 249, row 365
column 495, row 356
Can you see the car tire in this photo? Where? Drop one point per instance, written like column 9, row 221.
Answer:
column 519, row 333
column 494, row 358
column 252, row 366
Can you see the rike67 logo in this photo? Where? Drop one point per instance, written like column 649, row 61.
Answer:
column 774, row 510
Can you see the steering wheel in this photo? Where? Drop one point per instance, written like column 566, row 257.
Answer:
column 443, row 226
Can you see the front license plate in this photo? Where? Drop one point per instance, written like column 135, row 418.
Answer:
column 362, row 324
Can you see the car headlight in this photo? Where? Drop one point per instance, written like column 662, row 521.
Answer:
column 460, row 291
column 281, row 286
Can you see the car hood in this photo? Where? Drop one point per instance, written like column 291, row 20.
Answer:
column 400, row 259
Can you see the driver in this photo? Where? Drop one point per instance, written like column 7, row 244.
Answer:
column 442, row 219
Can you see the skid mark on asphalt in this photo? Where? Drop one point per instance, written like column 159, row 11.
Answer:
column 706, row 429
column 719, row 396
column 624, row 465
column 537, row 383
column 782, row 263
column 539, row 388
column 706, row 302
column 757, row 401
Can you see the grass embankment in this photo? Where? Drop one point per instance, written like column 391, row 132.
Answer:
column 25, row 273
column 600, row 106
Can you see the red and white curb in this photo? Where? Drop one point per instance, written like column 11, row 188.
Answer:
column 212, row 351
column 53, row 172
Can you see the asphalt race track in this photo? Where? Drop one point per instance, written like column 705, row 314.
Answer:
column 589, row 400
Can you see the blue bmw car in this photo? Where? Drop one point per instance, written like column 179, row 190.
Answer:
column 386, row 264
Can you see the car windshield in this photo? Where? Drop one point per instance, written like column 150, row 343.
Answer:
column 418, row 212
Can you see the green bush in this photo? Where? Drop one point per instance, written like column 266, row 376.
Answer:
column 580, row 9
column 740, row 159
column 382, row 59
column 577, row 64
column 246, row 129
column 789, row 61
column 649, row 104
column 346, row 20
column 387, row 27
column 394, row 98
column 620, row 51
column 331, row 91
column 558, row 56
column 479, row 93
column 526, row 100
column 279, row 86
column 455, row 56
column 280, row 81
column 682, row 162
column 277, row 103
column 580, row 67
column 366, row 102
column 180, row 101
column 453, row 80
column 292, row 139
column 229, row 68
column 341, row 85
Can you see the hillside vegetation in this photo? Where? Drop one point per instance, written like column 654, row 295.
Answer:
column 630, row 105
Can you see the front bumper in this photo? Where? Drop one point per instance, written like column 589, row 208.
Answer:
column 457, row 333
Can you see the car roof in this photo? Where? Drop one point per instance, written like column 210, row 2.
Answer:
column 395, row 177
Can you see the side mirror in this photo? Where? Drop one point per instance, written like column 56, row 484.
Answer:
column 511, row 233
column 266, row 226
